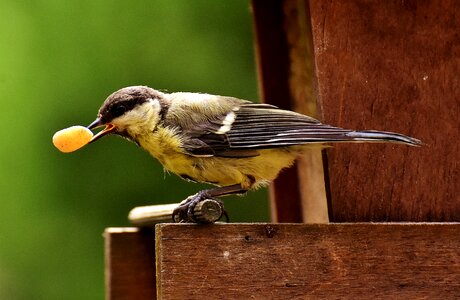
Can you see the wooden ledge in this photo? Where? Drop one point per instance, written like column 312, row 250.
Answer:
column 285, row 261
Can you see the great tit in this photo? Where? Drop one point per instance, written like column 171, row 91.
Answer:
column 234, row 144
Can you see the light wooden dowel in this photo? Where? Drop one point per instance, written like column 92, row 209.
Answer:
column 207, row 211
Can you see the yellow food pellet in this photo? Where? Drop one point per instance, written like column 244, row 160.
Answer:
column 72, row 138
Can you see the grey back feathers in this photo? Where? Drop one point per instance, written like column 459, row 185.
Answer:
column 236, row 127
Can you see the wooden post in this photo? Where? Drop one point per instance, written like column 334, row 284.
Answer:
column 129, row 264
column 391, row 65
column 272, row 62
column 369, row 65
column 284, row 59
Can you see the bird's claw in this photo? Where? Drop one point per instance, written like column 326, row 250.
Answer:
column 184, row 213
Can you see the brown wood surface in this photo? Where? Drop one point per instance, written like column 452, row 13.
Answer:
column 310, row 169
column 284, row 55
column 129, row 264
column 272, row 57
column 299, row 261
column 391, row 65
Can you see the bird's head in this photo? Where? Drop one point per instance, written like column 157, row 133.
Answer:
column 130, row 112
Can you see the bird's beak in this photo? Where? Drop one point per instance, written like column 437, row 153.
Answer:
column 97, row 123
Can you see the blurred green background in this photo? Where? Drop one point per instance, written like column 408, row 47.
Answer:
column 58, row 61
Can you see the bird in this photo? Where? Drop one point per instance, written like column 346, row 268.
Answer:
column 234, row 144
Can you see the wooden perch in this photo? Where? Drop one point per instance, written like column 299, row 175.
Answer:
column 207, row 211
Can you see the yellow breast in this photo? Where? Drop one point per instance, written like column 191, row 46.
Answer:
column 165, row 145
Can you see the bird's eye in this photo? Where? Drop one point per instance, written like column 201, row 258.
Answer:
column 118, row 110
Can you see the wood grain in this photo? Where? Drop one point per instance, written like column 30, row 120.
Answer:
column 272, row 58
column 129, row 264
column 298, row 261
column 310, row 169
column 284, row 49
column 391, row 65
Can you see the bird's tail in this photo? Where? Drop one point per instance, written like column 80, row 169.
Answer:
column 380, row 136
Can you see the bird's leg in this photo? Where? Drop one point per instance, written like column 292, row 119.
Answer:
column 184, row 212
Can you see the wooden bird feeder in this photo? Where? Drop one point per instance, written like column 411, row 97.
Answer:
column 352, row 221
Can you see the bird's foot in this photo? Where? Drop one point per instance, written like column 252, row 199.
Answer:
column 185, row 212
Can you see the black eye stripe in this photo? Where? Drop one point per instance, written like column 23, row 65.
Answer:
column 118, row 108
column 126, row 99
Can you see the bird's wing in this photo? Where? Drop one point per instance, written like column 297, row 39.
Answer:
column 248, row 127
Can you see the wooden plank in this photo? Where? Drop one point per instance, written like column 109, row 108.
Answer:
column 298, row 261
column 272, row 58
column 310, row 168
column 284, row 59
column 391, row 65
column 129, row 264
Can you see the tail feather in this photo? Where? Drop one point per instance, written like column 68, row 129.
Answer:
column 257, row 126
column 325, row 135
column 381, row 136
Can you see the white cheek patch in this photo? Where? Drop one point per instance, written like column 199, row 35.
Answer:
column 144, row 117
